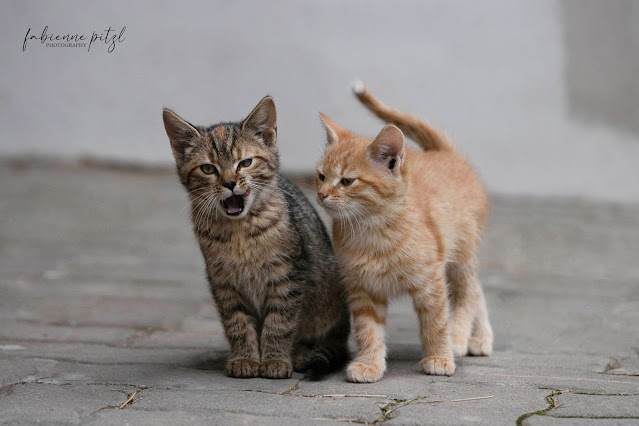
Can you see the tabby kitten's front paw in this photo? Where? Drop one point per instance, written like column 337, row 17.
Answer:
column 276, row 369
column 360, row 372
column 242, row 368
column 480, row 347
column 438, row 366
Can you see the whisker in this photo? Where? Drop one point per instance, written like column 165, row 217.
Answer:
column 202, row 210
column 201, row 202
column 358, row 215
column 191, row 201
column 343, row 215
column 271, row 186
column 212, row 206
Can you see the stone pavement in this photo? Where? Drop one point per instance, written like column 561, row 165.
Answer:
column 105, row 317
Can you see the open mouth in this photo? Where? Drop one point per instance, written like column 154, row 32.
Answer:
column 234, row 205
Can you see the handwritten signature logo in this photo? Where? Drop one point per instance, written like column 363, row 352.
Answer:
column 109, row 37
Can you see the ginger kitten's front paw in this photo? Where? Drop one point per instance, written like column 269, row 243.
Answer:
column 360, row 372
column 242, row 368
column 480, row 347
column 460, row 348
column 276, row 369
column 438, row 366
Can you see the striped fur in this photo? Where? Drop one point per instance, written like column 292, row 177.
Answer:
column 271, row 267
column 406, row 222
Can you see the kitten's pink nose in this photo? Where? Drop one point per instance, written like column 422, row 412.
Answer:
column 321, row 196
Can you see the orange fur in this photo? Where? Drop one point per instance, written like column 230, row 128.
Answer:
column 406, row 222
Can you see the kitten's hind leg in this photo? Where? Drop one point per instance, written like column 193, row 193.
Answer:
column 299, row 357
column 464, row 290
column 481, row 341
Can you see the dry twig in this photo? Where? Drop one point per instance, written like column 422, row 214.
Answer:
column 128, row 401
column 351, row 395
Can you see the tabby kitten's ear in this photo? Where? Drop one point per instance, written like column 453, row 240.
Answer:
column 333, row 130
column 388, row 148
column 181, row 134
column 262, row 121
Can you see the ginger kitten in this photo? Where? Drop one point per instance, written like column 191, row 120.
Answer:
column 269, row 259
column 406, row 222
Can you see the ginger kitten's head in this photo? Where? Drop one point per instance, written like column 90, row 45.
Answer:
column 227, row 168
column 357, row 174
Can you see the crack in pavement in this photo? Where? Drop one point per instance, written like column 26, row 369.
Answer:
column 553, row 404
column 130, row 399
column 593, row 393
column 579, row 379
column 616, row 364
column 130, row 396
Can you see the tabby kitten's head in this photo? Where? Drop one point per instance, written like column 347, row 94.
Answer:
column 227, row 168
column 359, row 175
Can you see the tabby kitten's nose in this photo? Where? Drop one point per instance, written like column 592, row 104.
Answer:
column 230, row 185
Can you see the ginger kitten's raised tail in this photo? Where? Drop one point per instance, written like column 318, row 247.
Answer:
column 418, row 130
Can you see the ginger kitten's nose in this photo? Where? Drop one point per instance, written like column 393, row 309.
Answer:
column 321, row 196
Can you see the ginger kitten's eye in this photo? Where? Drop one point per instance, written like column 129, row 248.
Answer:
column 245, row 163
column 208, row 169
column 346, row 181
column 321, row 177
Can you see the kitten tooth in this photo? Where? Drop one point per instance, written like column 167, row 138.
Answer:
column 358, row 86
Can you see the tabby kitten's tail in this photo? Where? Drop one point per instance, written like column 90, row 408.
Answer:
column 325, row 359
column 330, row 352
column 418, row 130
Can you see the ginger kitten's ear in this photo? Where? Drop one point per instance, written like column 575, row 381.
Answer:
column 262, row 121
column 181, row 133
column 333, row 130
column 388, row 148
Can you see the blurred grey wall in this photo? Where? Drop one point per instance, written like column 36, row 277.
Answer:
column 602, row 61
column 510, row 81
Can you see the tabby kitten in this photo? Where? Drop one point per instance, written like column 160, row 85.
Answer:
column 406, row 222
column 269, row 259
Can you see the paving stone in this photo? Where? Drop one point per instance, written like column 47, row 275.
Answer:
column 51, row 403
column 555, row 421
column 133, row 415
column 265, row 404
column 621, row 405
column 17, row 369
column 26, row 331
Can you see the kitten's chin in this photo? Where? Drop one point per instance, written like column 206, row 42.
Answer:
column 332, row 211
column 238, row 216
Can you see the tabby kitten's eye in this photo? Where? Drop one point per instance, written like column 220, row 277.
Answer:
column 245, row 163
column 321, row 177
column 208, row 169
column 346, row 181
